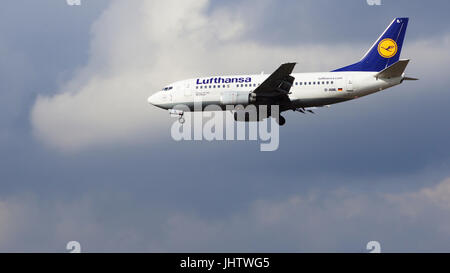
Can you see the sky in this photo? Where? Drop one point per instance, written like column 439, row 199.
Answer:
column 85, row 158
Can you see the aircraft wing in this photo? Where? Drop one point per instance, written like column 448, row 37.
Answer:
column 278, row 83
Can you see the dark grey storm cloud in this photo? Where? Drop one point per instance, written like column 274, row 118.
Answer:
column 370, row 169
column 318, row 21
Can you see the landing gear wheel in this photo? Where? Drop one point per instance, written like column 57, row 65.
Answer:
column 181, row 120
column 281, row 121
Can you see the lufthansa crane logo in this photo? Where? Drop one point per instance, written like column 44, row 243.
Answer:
column 387, row 48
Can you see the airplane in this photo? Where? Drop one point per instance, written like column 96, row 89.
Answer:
column 380, row 68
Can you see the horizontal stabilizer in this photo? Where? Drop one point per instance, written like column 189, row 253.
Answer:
column 393, row 71
column 410, row 79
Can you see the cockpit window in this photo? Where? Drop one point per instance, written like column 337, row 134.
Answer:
column 167, row 88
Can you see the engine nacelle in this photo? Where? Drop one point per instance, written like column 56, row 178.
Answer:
column 234, row 98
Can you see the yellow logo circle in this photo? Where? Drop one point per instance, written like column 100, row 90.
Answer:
column 387, row 48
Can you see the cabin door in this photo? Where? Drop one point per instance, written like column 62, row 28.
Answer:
column 350, row 84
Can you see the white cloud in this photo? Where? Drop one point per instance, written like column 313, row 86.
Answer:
column 333, row 220
column 139, row 46
column 15, row 217
column 337, row 220
column 414, row 204
column 429, row 57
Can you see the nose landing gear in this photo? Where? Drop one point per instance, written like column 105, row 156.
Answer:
column 177, row 113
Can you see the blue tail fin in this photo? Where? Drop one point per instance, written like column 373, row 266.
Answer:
column 385, row 51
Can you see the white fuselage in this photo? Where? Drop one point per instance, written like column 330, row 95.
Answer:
column 308, row 89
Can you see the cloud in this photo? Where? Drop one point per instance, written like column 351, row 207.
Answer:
column 340, row 219
column 138, row 47
column 413, row 204
column 335, row 220
column 427, row 62
column 15, row 215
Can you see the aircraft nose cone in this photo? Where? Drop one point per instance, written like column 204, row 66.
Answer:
column 152, row 99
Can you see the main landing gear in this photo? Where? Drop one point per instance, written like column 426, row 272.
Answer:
column 281, row 120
